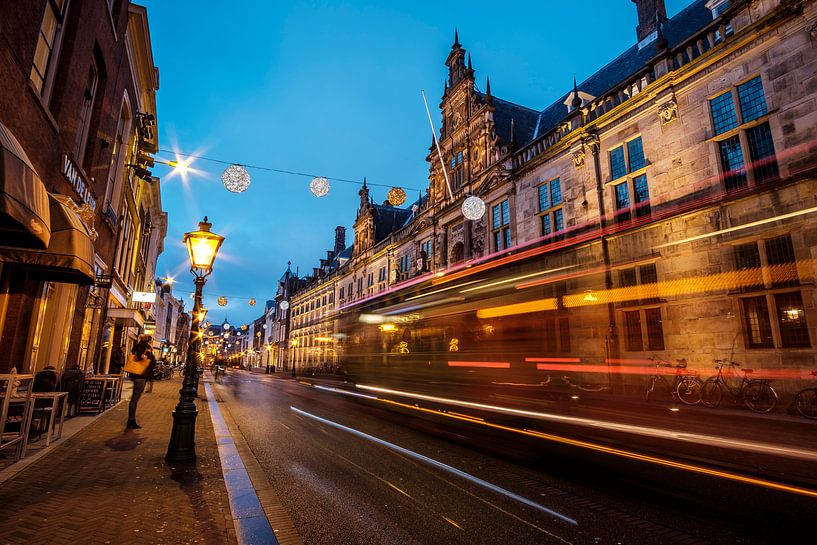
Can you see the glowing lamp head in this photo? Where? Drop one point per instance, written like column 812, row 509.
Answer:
column 202, row 247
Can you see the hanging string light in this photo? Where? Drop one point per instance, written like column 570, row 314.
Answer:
column 319, row 186
column 252, row 301
column 473, row 208
column 397, row 196
column 236, row 179
column 222, row 301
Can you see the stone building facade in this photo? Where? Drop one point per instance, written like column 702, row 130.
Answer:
column 662, row 208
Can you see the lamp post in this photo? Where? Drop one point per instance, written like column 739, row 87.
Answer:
column 202, row 247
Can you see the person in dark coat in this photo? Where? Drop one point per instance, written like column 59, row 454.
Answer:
column 71, row 382
column 117, row 361
column 141, row 350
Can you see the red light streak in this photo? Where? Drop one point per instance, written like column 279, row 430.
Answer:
column 487, row 364
column 553, row 360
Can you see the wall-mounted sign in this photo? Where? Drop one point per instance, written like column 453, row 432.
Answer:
column 144, row 297
column 103, row 281
column 74, row 176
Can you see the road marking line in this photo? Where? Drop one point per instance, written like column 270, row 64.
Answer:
column 440, row 465
column 451, row 522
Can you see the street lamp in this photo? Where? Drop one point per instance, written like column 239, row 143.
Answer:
column 202, row 247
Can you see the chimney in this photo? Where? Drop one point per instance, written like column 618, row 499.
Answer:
column 650, row 14
column 340, row 239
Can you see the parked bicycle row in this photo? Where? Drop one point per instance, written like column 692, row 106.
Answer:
column 731, row 382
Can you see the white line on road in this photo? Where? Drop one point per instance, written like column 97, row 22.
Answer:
column 440, row 465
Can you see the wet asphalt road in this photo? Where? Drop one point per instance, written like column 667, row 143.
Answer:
column 354, row 473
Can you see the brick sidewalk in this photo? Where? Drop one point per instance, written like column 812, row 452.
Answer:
column 108, row 485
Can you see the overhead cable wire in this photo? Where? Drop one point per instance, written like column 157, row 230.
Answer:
column 278, row 170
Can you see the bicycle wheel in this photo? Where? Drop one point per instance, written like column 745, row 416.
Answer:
column 806, row 402
column 689, row 391
column 711, row 393
column 759, row 396
column 649, row 390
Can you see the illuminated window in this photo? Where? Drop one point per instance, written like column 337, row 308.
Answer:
column 501, row 225
column 44, row 65
column 741, row 132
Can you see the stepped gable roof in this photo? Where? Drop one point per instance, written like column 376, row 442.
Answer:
column 388, row 219
column 677, row 29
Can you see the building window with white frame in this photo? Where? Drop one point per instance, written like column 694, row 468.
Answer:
column 629, row 178
column 44, row 65
column 551, row 214
column 501, row 225
column 743, row 132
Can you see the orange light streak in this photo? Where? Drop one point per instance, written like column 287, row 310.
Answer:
column 486, row 364
column 518, row 308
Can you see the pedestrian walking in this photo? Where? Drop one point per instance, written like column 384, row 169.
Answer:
column 139, row 367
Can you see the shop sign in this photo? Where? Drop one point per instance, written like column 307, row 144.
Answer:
column 74, row 176
column 103, row 281
column 144, row 297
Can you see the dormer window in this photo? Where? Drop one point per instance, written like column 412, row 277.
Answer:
column 585, row 98
column 717, row 7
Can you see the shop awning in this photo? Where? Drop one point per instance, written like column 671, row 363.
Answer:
column 69, row 257
column 128, row 316
column 24, row 210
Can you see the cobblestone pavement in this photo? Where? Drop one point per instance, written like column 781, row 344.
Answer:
column 109, row 485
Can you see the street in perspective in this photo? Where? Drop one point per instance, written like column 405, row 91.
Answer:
column 309, row 273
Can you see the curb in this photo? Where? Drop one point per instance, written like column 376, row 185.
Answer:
column 283, row 531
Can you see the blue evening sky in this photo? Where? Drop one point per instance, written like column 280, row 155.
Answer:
column 333, row 88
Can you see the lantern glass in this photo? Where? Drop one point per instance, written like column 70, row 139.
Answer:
column 202, row 247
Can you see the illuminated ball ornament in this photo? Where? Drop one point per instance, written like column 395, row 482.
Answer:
column 319, row 186
column 252, row 301
column 243, row 327
column 236, row 179
column 222, row 301
column 396, row 196
column 473, row 208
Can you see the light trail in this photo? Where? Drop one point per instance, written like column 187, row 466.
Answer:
column 483, row 364
column 514, row 279
column 660, row 433
column 439, row 465
column 781, row 217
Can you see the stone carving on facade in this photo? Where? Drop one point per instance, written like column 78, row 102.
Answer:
column 478, row 242
column 578, row 158
column 668, row 111
column 592, row 142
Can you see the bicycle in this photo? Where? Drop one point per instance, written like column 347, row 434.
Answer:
column 756, row 394
column 806, row 401
column 685, row 387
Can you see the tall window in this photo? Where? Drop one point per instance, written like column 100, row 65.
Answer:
column 116, row 169
column 88, row 99
column 556, row 334
column 775, row 317
column 425, row 254
column 644, row 325
column 457, row 171
column 501, row 225
column 44, row 64
column 631, row 191
column 551, row 215
column 743, row 132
